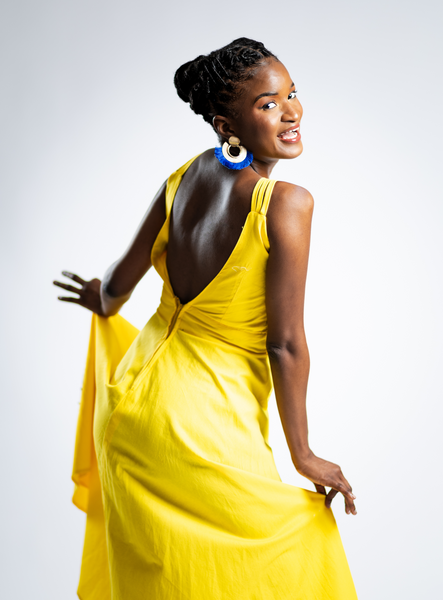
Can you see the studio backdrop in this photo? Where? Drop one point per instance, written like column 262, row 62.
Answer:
column 91, row 126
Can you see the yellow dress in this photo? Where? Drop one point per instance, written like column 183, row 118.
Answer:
column 172, row 463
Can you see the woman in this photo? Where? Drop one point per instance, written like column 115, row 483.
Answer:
column 172, row 463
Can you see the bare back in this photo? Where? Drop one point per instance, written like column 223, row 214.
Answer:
column 208, row 213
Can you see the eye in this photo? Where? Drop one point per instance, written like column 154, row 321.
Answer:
column 269, row 105
column 292, row 95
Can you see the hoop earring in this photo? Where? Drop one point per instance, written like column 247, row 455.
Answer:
column 232, row 161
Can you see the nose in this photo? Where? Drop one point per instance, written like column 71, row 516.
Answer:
column 293, row 111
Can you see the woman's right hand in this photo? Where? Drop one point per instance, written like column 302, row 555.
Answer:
column 323, row 474
column 89, row 293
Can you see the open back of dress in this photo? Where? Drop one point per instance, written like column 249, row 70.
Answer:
column 172, row 462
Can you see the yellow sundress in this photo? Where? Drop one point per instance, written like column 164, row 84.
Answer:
column 172, row 463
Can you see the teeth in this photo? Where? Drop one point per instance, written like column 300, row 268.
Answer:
column 290, row 132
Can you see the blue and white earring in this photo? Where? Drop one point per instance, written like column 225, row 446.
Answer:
column 232, row 155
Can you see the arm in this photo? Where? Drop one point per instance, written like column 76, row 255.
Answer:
column 122, row 276
column 108, row 296
column 289, row 229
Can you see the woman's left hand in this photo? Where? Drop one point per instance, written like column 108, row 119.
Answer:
column 89, row 293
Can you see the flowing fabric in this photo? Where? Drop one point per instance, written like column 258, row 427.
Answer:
column 172, row 462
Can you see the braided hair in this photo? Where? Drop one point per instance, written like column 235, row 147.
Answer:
column 211, row 83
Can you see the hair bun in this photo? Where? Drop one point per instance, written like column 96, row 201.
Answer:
column 186, row 77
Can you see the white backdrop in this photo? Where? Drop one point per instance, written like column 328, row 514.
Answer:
column 91, row 126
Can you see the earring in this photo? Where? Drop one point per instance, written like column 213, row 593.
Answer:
column 232, row 155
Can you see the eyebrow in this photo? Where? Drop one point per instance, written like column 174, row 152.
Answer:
column 270, row 93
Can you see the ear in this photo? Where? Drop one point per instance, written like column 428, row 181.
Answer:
column 223, row 126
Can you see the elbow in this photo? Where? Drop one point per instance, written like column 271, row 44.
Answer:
column 288, row 350
column 110, row 290
column 114, row 290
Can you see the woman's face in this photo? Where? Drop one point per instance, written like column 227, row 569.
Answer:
column 268, row 115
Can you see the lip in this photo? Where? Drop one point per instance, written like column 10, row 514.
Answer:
column 294, row 140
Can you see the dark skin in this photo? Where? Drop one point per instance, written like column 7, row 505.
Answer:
column 209, row 210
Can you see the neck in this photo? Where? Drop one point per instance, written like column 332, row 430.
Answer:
column 262, row 167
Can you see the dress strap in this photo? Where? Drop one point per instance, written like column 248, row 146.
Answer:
column 262, row 195
column 173, row 183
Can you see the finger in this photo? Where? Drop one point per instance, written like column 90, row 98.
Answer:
column 350, row 507
column 70, row 288
column 346, row 488
column 320, row 489
column 329, row 497
column 349, row 499
column 343, row 486
column 74, row 277
column 69, row 299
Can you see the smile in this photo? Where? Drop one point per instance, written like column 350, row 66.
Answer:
column 291, row 135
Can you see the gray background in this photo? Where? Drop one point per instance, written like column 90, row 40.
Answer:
column 91, row 126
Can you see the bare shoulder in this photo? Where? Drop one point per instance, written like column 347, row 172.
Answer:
column 290, row 208
column 290, row 196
